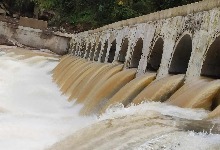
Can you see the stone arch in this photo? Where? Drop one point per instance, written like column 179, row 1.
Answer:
column 88, row 50
column 112, row 52
column 181, row 56
column 92, row 53
column 104, row 52
column 136, row 56
column 211, row 63
column 123, row 51
column 155, row 56
column 99, row 46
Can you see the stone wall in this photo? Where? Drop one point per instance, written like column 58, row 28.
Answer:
column 36, row 38
column 197, row 23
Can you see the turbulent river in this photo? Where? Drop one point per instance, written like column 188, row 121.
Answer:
column 34, row 115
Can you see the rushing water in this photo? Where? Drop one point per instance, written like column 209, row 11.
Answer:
column 35, row 115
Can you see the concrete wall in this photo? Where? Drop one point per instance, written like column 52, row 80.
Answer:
column 35, row 38
column 33, row 23
column 199, row 21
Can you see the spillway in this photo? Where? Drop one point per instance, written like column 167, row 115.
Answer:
column 145, row 83
column 123, row 102
column 67, row 102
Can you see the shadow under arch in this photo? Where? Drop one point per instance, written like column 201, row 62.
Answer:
column 88, row 50
column 98, row 51
column 211, row 64
column 112, row 52
column 123, row 51
column 92, row 53
column 136, row 56
column 181, row 56
column 83, row 50
column 104, row 51
column 73, row 48
column 155, row 55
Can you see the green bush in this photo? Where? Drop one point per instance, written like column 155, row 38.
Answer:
column 94, row 13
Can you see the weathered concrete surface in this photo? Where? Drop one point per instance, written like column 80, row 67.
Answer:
column 33, row 23
column 197, row 23
column 36, row 38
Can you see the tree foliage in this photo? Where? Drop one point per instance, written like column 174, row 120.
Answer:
column 95, row 13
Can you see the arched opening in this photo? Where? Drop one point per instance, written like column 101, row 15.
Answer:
column 88, row 51
column 83, row 50
column 123, row 51
column 211, row 65
column 155, row 56
column 98, row 52
column 74, row 48
column 92, row 53
column 137, row 54
column 104, row 52
column 112, row 52
column 180, row 60
column 78, row 51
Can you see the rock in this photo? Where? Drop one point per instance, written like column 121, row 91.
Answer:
column 15, row 15
column 2, row 12
column 3, row 9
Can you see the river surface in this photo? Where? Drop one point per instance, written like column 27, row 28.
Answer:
column 34, row 115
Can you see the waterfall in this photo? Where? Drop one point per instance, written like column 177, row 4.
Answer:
column 117, row 108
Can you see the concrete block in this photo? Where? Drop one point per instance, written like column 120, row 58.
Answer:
column 33, row 23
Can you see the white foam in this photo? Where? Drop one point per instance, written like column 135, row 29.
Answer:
column 118, row 110
column 35, row 114
column 183, row 141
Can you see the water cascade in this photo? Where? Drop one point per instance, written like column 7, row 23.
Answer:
column 204, row 91
column 107, row 90
column 215, row 113
column 96, row 82
column 101, row 87
column 127, row 93
column 151, row 82
column 160, row 90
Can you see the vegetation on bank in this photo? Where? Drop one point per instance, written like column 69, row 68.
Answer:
column 88, row 14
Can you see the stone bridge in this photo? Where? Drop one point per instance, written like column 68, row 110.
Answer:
column 181, row 40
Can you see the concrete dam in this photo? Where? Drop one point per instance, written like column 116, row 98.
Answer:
column 146, row 83
column 178, row 47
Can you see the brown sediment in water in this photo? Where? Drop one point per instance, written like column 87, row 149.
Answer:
column 161, row 89
column 214, row 114
column 55, row 71
column 127, row 93
column 95, row 83
column 85, row 79
column 60, row 65
column 93, row 66
column 132, row 131
column 65, row 67
column 25, row 53
column 75, row 75
column 65, row 73
column 107, row 90
column 196, row 94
